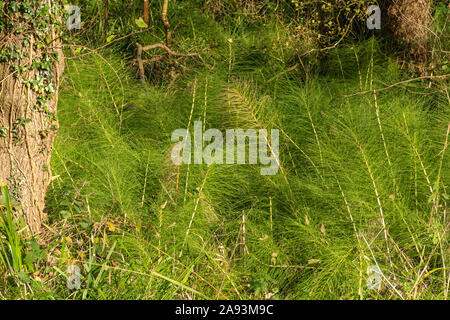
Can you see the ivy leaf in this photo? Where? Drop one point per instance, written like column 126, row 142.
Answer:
column 140, row 23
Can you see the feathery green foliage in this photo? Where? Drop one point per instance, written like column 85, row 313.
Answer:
column 363, row 174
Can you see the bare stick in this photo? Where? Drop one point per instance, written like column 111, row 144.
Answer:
column 140, row 63
column 108, row 44
column 397, row 84
column 171, row 52
column 166, row 21
column 145, row 13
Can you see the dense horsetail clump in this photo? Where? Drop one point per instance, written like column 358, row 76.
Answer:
column 357, row 207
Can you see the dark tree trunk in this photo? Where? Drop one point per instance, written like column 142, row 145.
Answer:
column 31, row 63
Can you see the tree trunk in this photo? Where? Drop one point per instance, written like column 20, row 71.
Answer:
column 31, row 63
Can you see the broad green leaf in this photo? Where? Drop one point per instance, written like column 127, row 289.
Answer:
column 140, row 23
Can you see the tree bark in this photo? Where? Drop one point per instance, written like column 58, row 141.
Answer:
column 30, row 71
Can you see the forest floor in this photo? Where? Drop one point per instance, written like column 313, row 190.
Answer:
column 361, row 189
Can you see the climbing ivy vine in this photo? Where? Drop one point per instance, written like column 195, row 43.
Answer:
column 36, row 25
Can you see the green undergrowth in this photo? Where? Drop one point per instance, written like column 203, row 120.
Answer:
column 363, row 179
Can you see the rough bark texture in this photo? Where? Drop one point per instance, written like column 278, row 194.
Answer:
column 28, row 133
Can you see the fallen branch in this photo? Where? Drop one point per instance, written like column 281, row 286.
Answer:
column 170, row 51
column 396, row 84
column 109, row 43
column 141, row 61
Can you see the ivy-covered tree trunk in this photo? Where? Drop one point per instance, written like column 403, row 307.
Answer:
column 31, row 63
